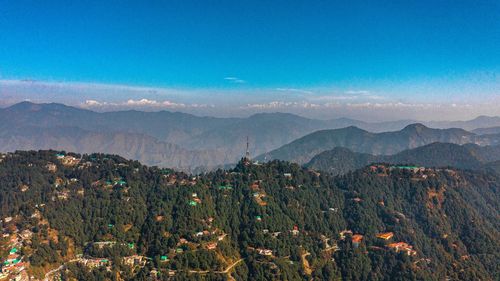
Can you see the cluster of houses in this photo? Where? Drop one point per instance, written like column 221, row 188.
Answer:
column 396, row 246
column 403, row 247
column 195, row 200
column 258, row 194
column 264, row 252
column 95, row 262
column 173, row 179
column 418, row 173
column 135, row 260
column 14, row 265
column 67, row 160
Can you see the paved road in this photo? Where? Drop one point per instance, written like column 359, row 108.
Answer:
column 48, row 274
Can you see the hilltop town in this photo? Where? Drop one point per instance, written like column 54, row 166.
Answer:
column 101, row 215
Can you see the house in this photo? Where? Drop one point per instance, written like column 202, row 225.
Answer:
column 413, row 169
column 402, row 246
column 26, row 234
column 295, row 230
column 58, row 182
column 51, row 167
column 276, row 234
column 265, row 252
column 343, row 233
column 24, row 188
column 12, row 258
column 62, row 195
column 91, row 263
column 287, row 175
column 225, row 187
column 385, row 235
column 134, row 260
column 69, row 160
column 356, row 239
column 120, row 182
column 211, row 246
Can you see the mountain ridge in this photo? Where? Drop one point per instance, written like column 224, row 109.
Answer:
column 414, row 135
column 220, row 140
column 468, row 156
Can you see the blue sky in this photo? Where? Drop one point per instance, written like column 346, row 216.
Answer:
column 252, row 52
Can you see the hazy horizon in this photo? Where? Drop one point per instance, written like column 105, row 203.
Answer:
column 422, row 60
column 153, row 109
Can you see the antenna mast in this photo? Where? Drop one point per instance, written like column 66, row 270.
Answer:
column 247, row 154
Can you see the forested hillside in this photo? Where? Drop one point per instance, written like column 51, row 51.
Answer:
column 468, row 156
column 412, row 136
column 103, row 217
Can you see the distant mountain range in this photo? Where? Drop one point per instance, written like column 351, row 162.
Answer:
column 304, row 149
column 468, row 156
column 487, row 131
column 173, row 139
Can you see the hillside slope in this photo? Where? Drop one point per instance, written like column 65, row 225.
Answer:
column 216, row 141
column 468, row 156
column 274, row 221
column 302, row 150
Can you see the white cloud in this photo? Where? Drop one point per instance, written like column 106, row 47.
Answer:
column 294, row 90
column 91, row 103
column 235, row 80
column 357, row 92
column 148, row 102
column 139, row 103
column 281, row 104
column 348, row 96
column 399, row 102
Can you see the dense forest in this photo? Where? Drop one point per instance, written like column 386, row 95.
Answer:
column 272, row 221
column 469, row 156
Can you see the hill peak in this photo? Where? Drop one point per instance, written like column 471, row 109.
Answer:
column 415, row 127
column 30, row 106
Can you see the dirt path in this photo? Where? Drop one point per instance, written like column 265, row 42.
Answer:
column 305, row 263
column 230, row 267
